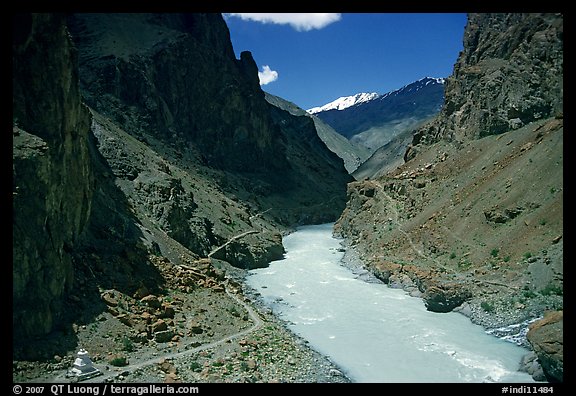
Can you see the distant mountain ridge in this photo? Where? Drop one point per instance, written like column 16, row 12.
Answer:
column 344, row 102
column 373, row 120
column 351, row 153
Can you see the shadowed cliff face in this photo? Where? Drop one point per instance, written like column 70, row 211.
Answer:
column 52, row 177
column 178, row 158
column 509, row 74
column 175, row 77
column 176, row 74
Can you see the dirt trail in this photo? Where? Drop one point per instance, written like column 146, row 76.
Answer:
column 231, row 240
column 257, row 323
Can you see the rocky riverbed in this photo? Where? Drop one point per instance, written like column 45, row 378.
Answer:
column 506, row 321
column 208, row 334
column 208, row 327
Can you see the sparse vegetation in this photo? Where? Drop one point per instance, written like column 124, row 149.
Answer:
column 127, row 344
column 234, row 312
column 486, row 306
column 452, row 255
column 552, row 289
column 195, row 366
column 119, row 361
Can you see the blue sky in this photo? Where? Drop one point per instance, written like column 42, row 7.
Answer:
column 313, row 59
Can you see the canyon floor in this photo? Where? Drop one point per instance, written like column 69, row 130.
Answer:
column 497, row 229
column 202, row 329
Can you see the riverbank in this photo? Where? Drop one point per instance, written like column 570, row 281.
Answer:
column 224, row 333
column 220, row 337
column 510, row 325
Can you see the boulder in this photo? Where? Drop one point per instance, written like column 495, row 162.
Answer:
column 546, row 338
column 444, row 298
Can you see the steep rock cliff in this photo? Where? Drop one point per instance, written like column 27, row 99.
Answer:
column 178, row 164
column 176, row 74
column 473, row 220
column 52, row 177
column 351, row 153
column 509, row 74
column 175, row 78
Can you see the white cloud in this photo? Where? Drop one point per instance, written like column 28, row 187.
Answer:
column 300, row 22
column 267, row 75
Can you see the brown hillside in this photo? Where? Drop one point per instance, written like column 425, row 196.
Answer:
column 485, row 216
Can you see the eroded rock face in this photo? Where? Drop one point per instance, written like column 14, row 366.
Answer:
column 509, row 74
column 444, row 298
column 253, row 251
column 177, row 154
column 176, row 75
column 547, row 340
column 52, row 177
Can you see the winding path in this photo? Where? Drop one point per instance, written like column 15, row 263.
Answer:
column 231, row 240
column 395, row 220
column 157, row 359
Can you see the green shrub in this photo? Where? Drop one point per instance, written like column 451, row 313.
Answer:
column 119, row 361
column 494, row 252
column 127, row 345
column 551, row 289
column 486, row 306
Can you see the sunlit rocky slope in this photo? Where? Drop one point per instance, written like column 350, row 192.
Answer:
column 473, row 219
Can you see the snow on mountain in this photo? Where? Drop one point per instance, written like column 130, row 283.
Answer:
column 414, row 87
column 375, row 122
column 345, row 102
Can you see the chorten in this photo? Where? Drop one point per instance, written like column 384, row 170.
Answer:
column 83, row 367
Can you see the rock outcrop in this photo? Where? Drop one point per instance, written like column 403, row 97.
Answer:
column 52, row 176
column 475, row 213
column 509, row 74
column 178, row 156
column 175, row 78
column 444, row 298
column 547, row 339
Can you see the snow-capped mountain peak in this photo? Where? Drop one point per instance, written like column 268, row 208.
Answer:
column 344, row 102
column 432, row 80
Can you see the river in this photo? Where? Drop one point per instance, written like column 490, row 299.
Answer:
column 373, row 332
